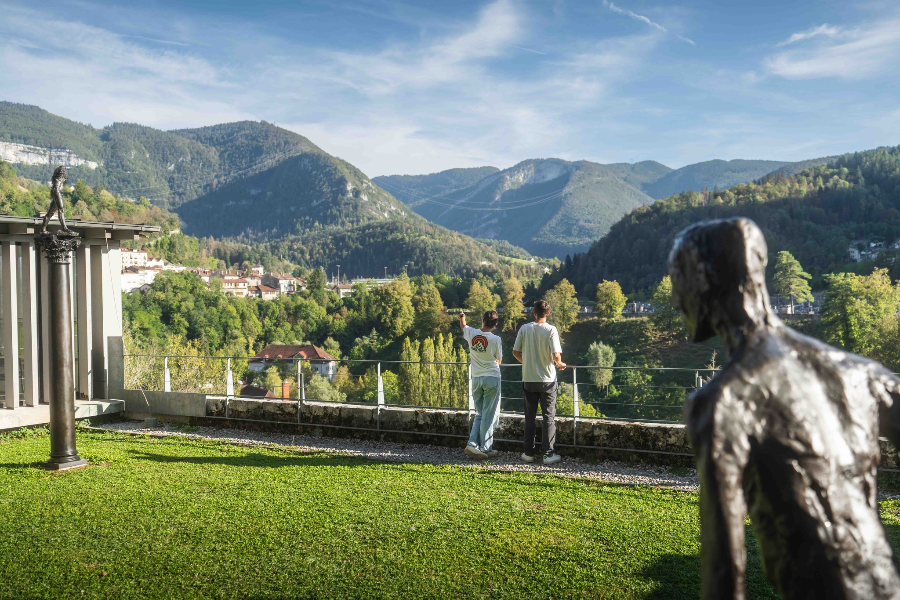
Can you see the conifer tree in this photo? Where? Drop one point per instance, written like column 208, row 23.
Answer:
column 790, row 279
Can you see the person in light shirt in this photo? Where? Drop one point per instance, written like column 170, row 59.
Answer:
column 537, row 347
column 486, row 352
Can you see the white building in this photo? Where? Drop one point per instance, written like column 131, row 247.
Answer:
column 133, row 258
column 139, row 278
column 283, row 282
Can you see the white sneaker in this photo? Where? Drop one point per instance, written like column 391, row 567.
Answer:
column 529, row 458
column 492, row 453
column 551, row 458
column 472, row 451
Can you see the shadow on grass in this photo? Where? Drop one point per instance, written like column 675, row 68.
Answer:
column 249, row 460
column 678, row 575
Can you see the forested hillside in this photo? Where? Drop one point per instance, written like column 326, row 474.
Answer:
column 710, row 174
column 412, row 188
column 549, row 207
column 815, row 215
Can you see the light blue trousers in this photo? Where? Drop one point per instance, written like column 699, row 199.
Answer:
column 486, row 393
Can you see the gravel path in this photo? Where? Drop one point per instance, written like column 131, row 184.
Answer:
column 611, row 471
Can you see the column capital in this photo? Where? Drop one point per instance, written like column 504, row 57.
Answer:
column 58, row 246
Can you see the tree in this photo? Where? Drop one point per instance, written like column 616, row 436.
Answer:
column 666, row 318
column 331, row 346
column 609, row 300
column 790, row 279
column 316, row 280
column 511, row 302
column 392, row 308
column 431, row 316
column 319, row 388
column 480, row 299
column 273, row 380
column 600, row 355
column 563, row 305
column 855, row 308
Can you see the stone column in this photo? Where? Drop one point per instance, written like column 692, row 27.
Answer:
column 58, row 247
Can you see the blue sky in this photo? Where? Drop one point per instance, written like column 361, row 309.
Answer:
column 417, row 87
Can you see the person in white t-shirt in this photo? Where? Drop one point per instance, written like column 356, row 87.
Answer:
column 537, row 347
column 486, row 352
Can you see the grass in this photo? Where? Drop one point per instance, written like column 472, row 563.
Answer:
column 177, row 517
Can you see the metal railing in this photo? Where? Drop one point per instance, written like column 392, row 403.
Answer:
column 642, row 394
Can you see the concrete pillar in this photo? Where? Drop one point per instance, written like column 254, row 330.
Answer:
column 106, row 310
column 85, row 377
column 44, row 274
column 30, row 339
column 9, row 297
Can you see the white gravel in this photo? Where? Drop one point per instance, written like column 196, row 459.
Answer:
column 610, row 471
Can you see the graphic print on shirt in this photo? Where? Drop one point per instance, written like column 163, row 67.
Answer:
column 479, row 343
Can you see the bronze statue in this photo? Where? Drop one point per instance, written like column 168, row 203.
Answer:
column 59, row 179
column 787, row 432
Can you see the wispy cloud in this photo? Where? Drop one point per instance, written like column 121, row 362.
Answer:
column 865, row 51
column 643, row 19
column 823, row 30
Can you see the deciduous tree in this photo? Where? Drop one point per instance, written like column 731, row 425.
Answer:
column 511, row 301
column 609, row 300
column 563, row 305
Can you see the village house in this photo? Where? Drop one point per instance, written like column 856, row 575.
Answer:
column 319, row 361
column 133, row 258
column 283, row 282
column 257, row 270
column 138, row 278
column 341, row 289
column 262, row 291
column 236, row 286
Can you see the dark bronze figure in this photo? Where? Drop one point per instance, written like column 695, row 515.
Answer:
column 59, row 179
column 787, row 432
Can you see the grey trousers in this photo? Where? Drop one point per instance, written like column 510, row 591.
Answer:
column 543, row 393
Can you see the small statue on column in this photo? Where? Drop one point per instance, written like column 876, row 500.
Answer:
column 57, row 183
column 787, row 431
column 58, row 247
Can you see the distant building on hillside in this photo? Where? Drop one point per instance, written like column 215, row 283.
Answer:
column 371, row 282
column 319, row 361
column 283, row 282
column 236, row 286
column 138, row 278
column 257, row 270
column 133, row 258
column 341, row 289
column 262, row 291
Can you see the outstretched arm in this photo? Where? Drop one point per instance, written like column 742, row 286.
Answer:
column 462, row 320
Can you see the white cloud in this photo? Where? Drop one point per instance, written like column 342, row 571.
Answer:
column 869, row 50
column 643, row 19
column 823, row 30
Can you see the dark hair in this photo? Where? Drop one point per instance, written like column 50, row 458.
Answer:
column 490, row 318
column 541, row 308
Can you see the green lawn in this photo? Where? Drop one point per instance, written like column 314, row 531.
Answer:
column 163, row 518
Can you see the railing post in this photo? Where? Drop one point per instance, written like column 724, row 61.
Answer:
column 575, row 408
column 380, row 395
column 167, row 381
column 229, row 380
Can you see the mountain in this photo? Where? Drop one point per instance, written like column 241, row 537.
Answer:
column 412, row 188
column 639, row 174
column 167, row 167
column 254, row 181
column 549, row 207
column 815, row 214
column 710, row 174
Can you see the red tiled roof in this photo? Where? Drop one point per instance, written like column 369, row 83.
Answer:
column 307, row 351
column 256, row 392
column 266, row 288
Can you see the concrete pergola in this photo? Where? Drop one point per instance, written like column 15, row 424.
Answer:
column 97, row 312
